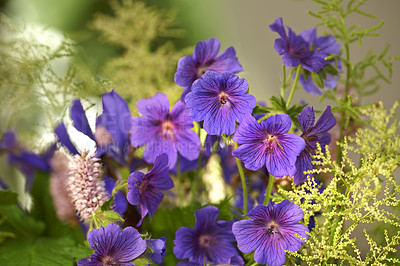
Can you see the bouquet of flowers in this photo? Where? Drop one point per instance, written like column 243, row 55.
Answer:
column 208, row 175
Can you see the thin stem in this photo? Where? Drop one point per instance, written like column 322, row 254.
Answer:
column 16, row 226
column 179, row 179
column 269, row 189
column 239, row 165
column 296, row 79
column 283, row 83
column 118, row 187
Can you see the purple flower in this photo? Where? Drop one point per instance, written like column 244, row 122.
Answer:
column 209, row 241
column 157, row 247
column 205, row 57
column 271, row 232
column 295, row 50
column 268, row 144
column 164, row 131
column 312, row 134
column 220, row 100
column 144, row 189
column 325, row 45
column 113, row 247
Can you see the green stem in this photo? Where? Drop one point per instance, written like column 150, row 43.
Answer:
column 239, row 165
column 16, row 226
column 197, row 175
column 179, row 179
column 283, row 82
column 296, row 79
column 119, row 187
column 269, row 189
column 345, row 98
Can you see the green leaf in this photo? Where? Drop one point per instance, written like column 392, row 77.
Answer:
column 5, row 235
column 43, row 209
column 8, row 197
column 20, row 223
column 317, row 79
column 260, row 110
column 41, row 252
column 331, row 70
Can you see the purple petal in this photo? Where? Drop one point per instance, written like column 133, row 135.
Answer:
column 185, row 242
column 309, row 35
column 314, row 63
column 117, row 116
column 158, row 147
column 8, row 141
column 281, row 159
column 63, row 138
column 159, row 174
column 226, row 61
column 93, row 260
column 287, row 213
column 270, row 252
column 134, row 181
column 185, row 92
column 249, row 131
column 79, row 118
column 307, row 118
column 149, row 202
column 278, row 27
column 143, row 131
column 158, row 250
column 277, row 124
column 252, row 155
column 290, row 241
column 205, row 218
column 186, row 72
column 206, row 50
column 326, row 122
column 188, row 144
column 261, row 212
column 154, row 108
column 309, row 85
column 248, row 234
column 303, row 163
column 289, row 61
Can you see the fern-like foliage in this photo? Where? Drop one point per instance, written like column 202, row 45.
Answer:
column 363, row 190
column 147, row 64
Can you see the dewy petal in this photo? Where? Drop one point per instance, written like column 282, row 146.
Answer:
column 117, row 117
column 63, row 138
column 287, row 213
column 79, row 118
column 307, row 118
column 277, row 124
column 158, row 176
column 206, row 50
column 154, row 108
column 226, row 61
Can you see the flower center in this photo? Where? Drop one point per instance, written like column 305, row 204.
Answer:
column 223, row 98
column 143, row 185
column 201, row 71
column 270, row 140
column 109, row 261
column 272, row 228
column 207, row 240
column 167, row 129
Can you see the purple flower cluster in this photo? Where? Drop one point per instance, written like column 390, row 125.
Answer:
column 205, row 58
